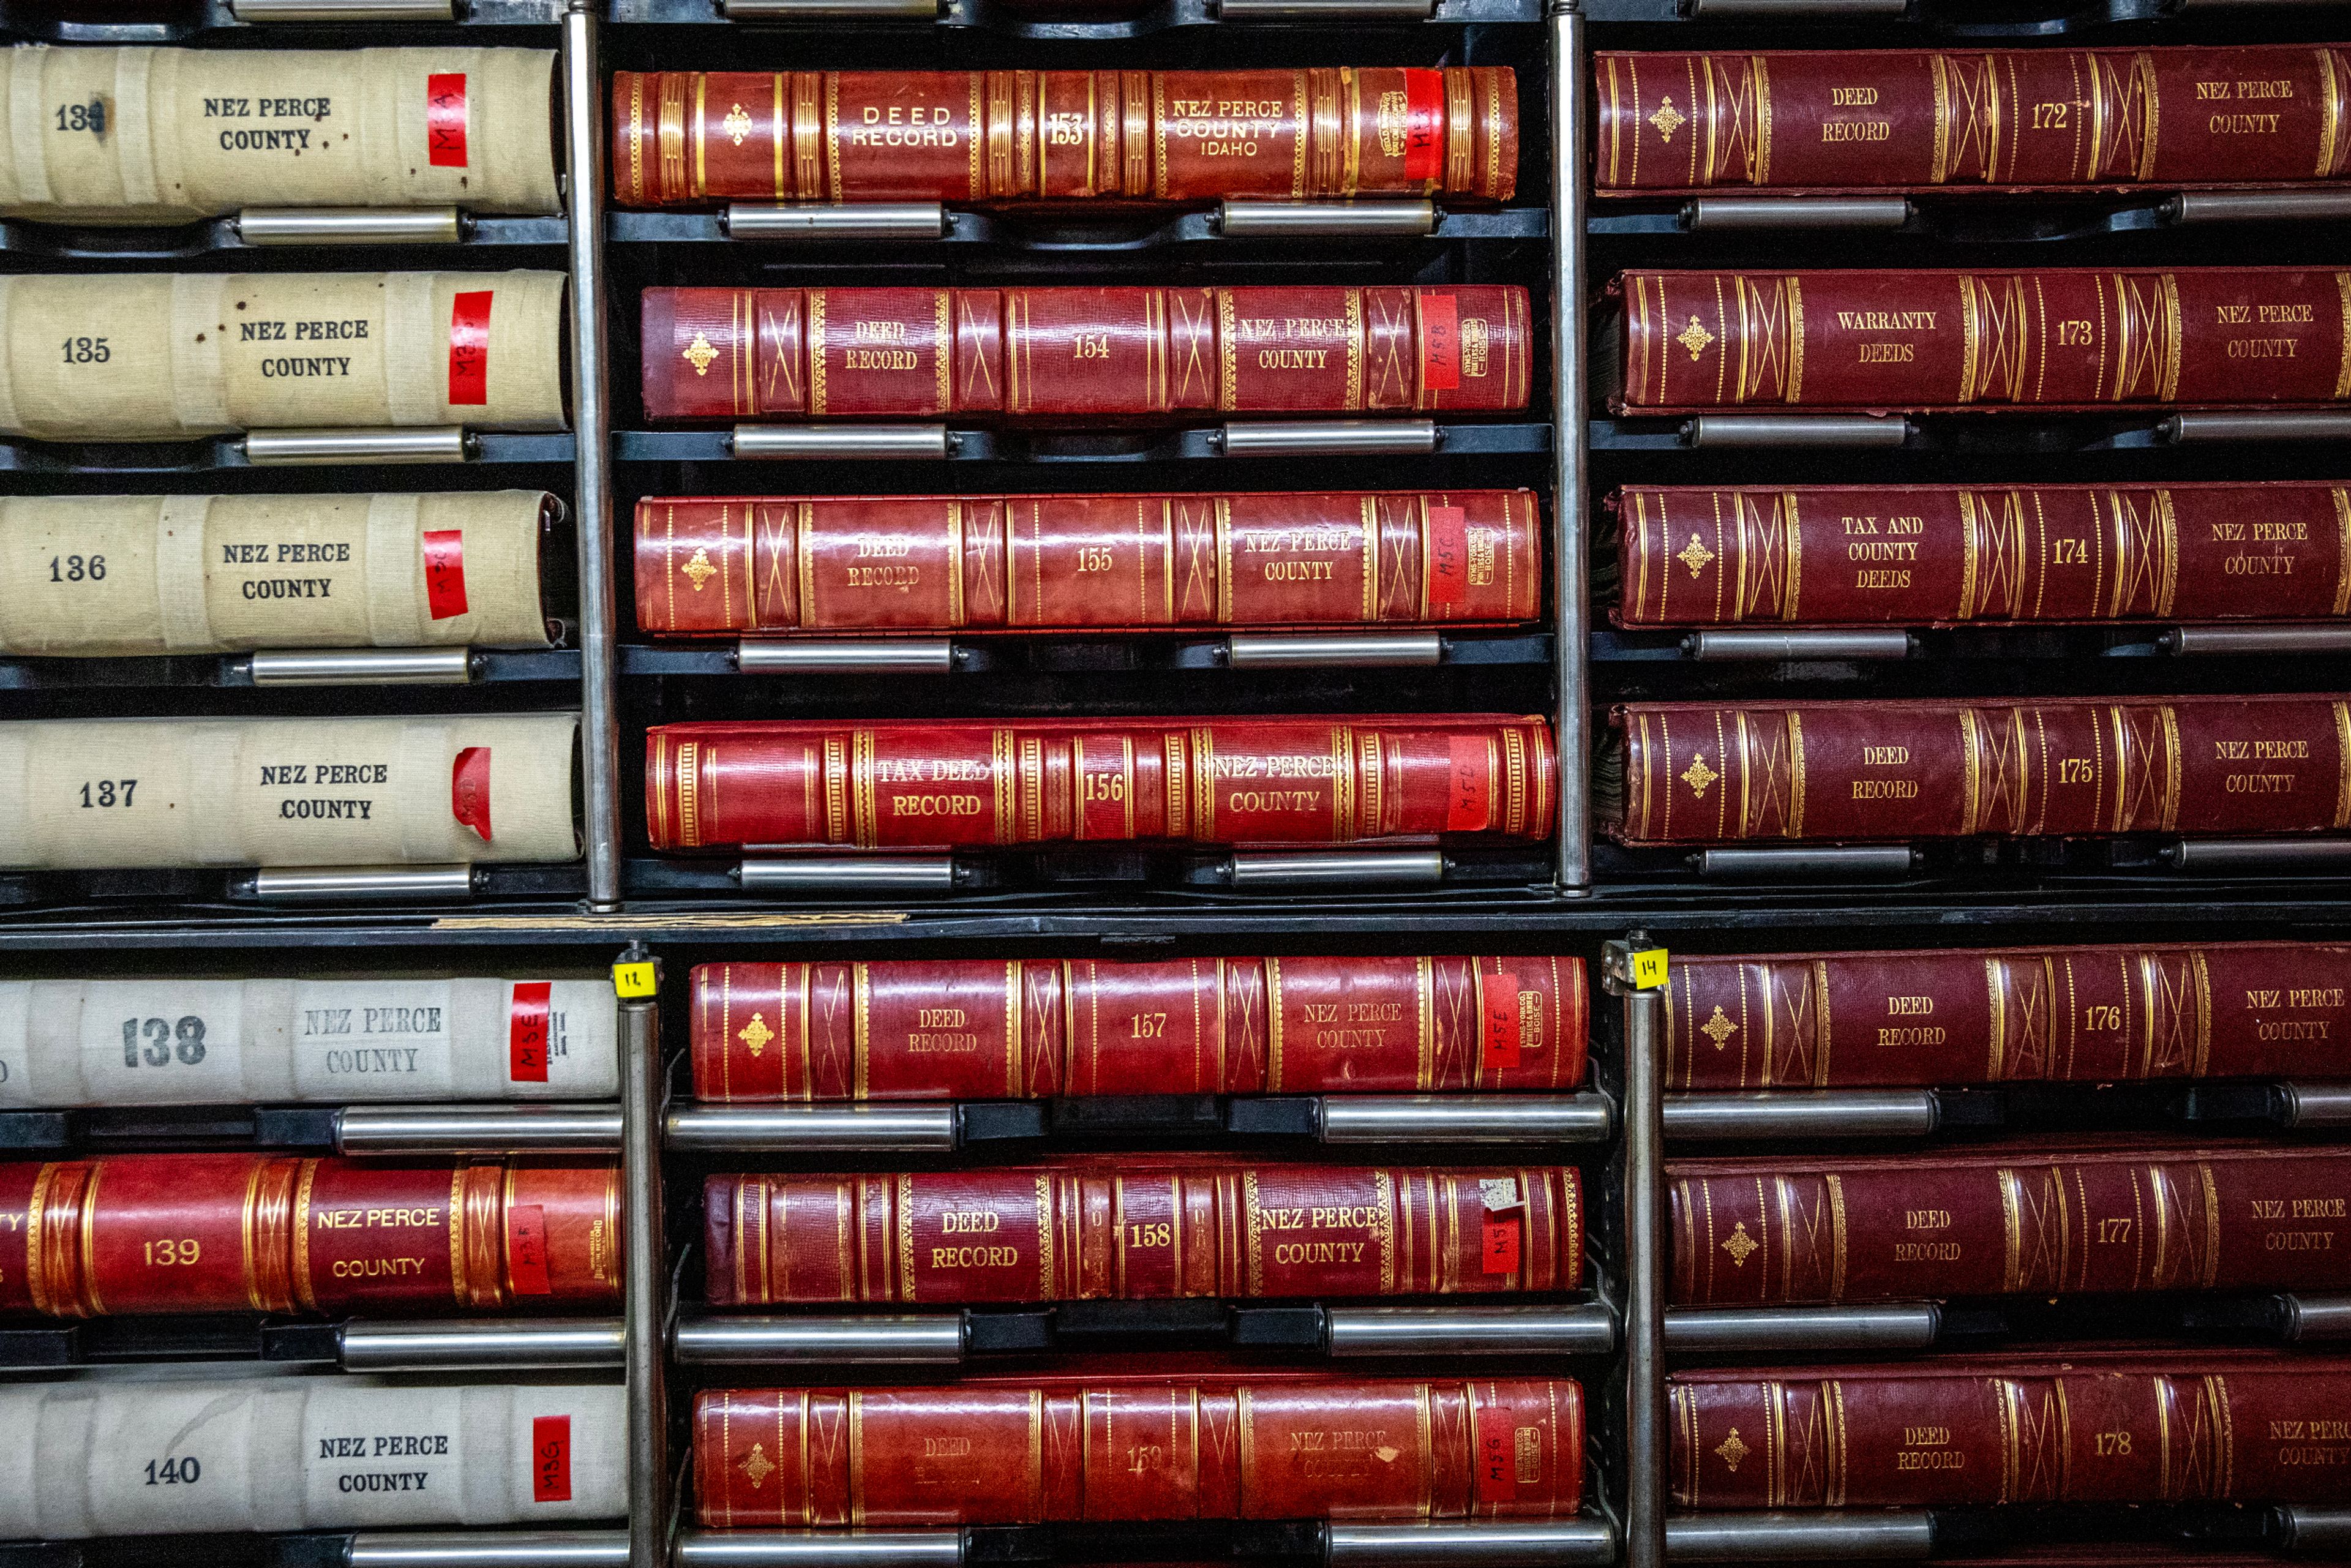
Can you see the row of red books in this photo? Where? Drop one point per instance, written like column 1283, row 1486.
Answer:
column 948, row 1029
column 2091, row 1426
column 1669, row 773
column 2049, row 338
column 1687, row 555
column 1842, row 119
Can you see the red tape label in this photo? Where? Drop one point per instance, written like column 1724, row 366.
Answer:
column 1500, row 1250
column 1448, row 556
column 1440, row 343
column 1424, row 124
column 469, row 790
column 550, row 1459
column 527, row 1031
column 469, row 347
column 1499, row 992
column 1465, row 785
column 444, row 120
column 527, row 1249
column 1498, row 1457
column 445, row 572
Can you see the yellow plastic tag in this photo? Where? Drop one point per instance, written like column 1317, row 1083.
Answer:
column 633, row 980
column 1648, row 969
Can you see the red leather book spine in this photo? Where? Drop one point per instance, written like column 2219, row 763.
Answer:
column 1142, row 1233
column 2192, row 337
column 688, row 138
column 1949, row 554
column 714, row 566
column 1137, row 1450
column 2013, row 1223
column 240, row 1233
column 1698, row 774
column 971, row 1028
column 2009, row 1016
column 1847, row 119
column 1916, row 1437
column 936, row 786
column 1047, row 353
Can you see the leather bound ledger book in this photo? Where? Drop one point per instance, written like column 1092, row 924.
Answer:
column 2013, row 1015
column 176, row 1041
column 912, row 784
column 148, row 357
column 197, row 574
column 709, row 566
column 1134, row 1228
column 1695, row 773
column 687, row 137
column 234, row 1233
column 158, row 1454
column 139, row 135
column 286, row 791
column 1078, row 1446
column 1919, row 120
column 2042, row 1219
column 981, row 1029
column 1070, row 353
column 2086, row 1426
column 1937, row 555
column 2079, row 340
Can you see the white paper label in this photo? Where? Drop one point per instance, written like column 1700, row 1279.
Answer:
column 173, row 1458
column 153, row 1041
column 374, row 1457
column 371, row 1039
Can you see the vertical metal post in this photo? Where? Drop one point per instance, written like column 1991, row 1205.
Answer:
column 643, row 1258
column 1570, row 178
column 1645, row 1262
column 591, row 425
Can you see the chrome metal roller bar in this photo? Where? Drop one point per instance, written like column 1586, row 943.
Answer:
column 783, row 1129
column 1829, row 1536
column 1809, row 862
column 349, row 225
column 1840, row 10
column 2315, row 856
column 819, row 1549
column 1331, row 437
column 908, row 221
column 1583, row 1329
column 302, row 448
column 912, row 443
column 2313, row 1316
column 1325, row 10
column 1891, row 1325
column 1465, row 1119
column 489, row 1549
column 352, row 666
column 645, row 1280
column 2195, row 428
column 778, row 656
column 1765, row 642
column 1544, row 1543
column 826, row 10
column 480, row 1345
column 2306, row 1528
column 2317, row 1105
column 1569, row 51
column 343, row 10
column 2221, row 640
column 1263, row 869
column 848, row 873
column 478, row 1129
column 898, row 1338
column 1288, row 220
column 1716, row 215
column 2308, row 203
column 318, row 884
column 1646, row 1244
column 1335, row 650
column 1796, row 430
column 1802, row 1113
